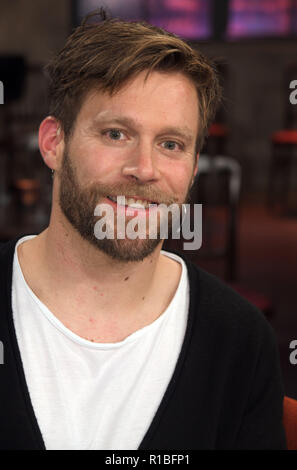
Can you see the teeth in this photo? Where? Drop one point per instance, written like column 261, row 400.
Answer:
column 134, row 203
column 137, row 204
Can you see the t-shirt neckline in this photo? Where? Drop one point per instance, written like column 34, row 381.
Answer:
column 94, row 345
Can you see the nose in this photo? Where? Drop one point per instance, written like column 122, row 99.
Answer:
column 142, row 164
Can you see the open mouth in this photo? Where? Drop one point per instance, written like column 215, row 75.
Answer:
column 133, row 203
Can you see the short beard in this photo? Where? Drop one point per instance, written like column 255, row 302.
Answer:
column 78, row 204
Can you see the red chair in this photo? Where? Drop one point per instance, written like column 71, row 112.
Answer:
column 216, row 140
column 290, row 422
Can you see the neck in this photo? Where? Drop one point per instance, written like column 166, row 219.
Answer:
column 72, row 264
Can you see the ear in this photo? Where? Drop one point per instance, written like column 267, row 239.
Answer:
column 51, row 142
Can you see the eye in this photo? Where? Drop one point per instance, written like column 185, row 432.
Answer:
column 114, row 134
column 172, row 145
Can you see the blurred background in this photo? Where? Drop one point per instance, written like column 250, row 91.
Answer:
column 247, row 179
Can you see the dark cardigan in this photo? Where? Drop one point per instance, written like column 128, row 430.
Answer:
column 226, row 391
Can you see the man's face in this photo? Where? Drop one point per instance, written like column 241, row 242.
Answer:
column 138, row 143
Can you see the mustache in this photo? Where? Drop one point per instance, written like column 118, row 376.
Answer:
column 131, row 190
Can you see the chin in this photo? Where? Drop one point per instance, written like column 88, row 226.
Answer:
column 126, row 250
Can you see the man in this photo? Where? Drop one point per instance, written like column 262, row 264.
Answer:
column 111, row 343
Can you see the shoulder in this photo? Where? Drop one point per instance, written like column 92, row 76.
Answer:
column 221, row 312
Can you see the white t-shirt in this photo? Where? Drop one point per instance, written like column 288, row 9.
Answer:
column 89, row 395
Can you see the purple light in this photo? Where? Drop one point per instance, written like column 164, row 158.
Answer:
column 256, row 18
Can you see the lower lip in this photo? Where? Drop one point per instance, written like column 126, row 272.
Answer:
column 131, row 211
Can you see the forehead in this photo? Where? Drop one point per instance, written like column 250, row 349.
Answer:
column 168, row 99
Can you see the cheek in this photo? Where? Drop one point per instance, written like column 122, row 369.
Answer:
column 180, row 176
column 95, row 160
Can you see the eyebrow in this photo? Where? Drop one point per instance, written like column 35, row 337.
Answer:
column 183, row 132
